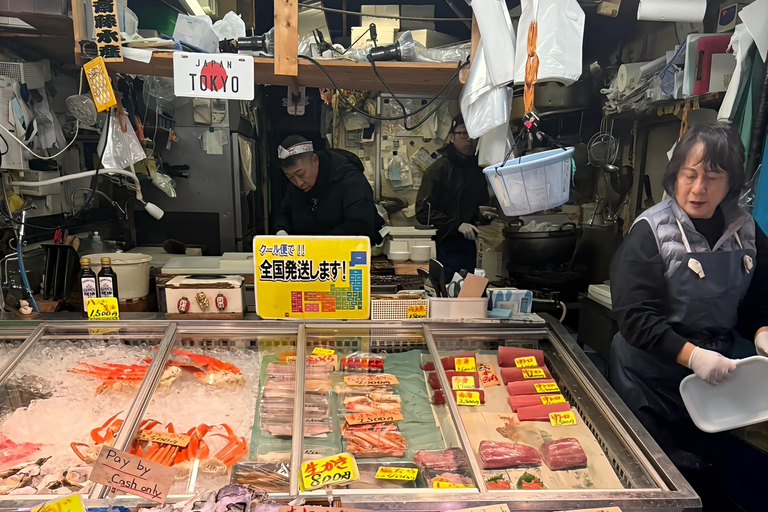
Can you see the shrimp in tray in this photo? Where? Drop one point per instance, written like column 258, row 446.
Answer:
column 372, row 402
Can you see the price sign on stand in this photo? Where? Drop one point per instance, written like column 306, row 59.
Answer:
column 552, row 399
column 334, row 470
column 102, row 308
column 320, row 351
column 365, row 418
column 439, row 484
column 123, row 471
column 526, row 362
column 465, row 364
column 390, row 473
column 312, row 276
column 562, row 419
column 533, row 373
column 458, row 382
column 546, row 387
column 467, row 398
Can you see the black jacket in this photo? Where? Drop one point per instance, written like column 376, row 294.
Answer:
column 342, row 197
column 455, row 187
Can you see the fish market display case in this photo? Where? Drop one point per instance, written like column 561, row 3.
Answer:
column 466, row 405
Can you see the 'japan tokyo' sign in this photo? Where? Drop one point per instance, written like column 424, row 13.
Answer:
column 203, row 75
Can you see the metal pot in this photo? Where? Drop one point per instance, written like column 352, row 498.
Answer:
column 541, row 249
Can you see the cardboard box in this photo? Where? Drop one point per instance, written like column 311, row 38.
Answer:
column 417, row 11
column 369, row 16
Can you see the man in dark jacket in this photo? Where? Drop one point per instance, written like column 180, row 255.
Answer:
column 450, row 196
column 329, row 194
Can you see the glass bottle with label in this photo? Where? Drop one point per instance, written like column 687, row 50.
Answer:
column 107, row 279
column 88, row 286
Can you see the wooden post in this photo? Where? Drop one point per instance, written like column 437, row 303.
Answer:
column 464, row 74
column 78, row 26
column 287, row 37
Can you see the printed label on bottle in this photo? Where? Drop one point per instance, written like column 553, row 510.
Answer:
column 88, row 284
column 105, row 287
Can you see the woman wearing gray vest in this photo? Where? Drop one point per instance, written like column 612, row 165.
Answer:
column 691, row 272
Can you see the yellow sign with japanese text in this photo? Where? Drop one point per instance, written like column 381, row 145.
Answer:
column 334, row 470
column 102, row 308
column 312, row 276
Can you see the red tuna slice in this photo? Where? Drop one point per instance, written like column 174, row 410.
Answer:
column 449, row 362
column 563, row 454
column 527, row 387
column 434, row 381
column 507, row 356
column 541, row 412
column 496, row 455
column 518, row 401
column 517, row 374
column 439, row 396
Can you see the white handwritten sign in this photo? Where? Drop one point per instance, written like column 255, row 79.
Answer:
column 125, row 472
column 204, row 75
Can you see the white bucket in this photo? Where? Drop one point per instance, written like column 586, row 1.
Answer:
column 132, row 271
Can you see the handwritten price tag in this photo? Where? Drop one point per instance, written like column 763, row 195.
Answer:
column 526, row 362
column 388, row 473
column 102, row 308
column 546, row 387
column 439, row 484
column 463, row 382
column 488, row 376
column 364, row 418
column 320, row 351
column 384, row 379
column 71, row 503
column 468, row 398
column 465, row 364
column 179, row 440
column 123, row 471
column 552, row 399
column 417, row 312
column 334, row 470
column 562, row 419
column 534, row 373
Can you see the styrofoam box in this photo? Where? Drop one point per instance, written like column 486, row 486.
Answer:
column 441, row 307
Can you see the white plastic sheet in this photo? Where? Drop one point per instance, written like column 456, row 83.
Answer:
column 560, row 40
column 495, row 145
column 483, row 105
column 498, row 39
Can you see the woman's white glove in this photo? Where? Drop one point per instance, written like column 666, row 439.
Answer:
column 282, row 232
column 761, row 344
column 469, row 231
column 710, row 366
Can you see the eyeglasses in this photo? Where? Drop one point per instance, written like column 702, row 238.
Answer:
column 462, row 135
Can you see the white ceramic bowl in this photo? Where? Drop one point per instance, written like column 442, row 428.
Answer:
column 399, row 255
column 420, row 253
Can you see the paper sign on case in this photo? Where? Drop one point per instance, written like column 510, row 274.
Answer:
column 562, row 419
column 103, row 308
column 123, row 471
column 71, row 503
column 390, row 473
column 213, row 75
column 334, row 470
column 465, row 364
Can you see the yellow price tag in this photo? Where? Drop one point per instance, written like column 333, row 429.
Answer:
column 468, row 398
column 102, row 308
column 439, row 484
column 533, row 373
column 417, row 312
column 525, row 362
column 334, row 470
column 546, row 387
column 320, row 351
column 465, row 364
column 389, row 473
column 458, row 382
column 71, row 503
column 552, row 399
column 562, row 419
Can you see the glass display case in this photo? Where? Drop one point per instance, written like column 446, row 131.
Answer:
column 467, row 406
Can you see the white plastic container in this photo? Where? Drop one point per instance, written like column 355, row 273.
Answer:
column 420, row 253
column 739, row 401
column 132, row 271
column 441, row 307
column 532, row 183
column 398, row 256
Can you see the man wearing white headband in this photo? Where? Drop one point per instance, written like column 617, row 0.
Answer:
column 329, row 194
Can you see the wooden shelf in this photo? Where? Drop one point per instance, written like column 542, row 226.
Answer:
column 45, row 24
column 402, row 77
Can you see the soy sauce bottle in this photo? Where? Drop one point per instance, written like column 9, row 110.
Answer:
column 88, row 287
column 107, row 279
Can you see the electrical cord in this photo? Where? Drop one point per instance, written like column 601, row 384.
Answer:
column 388, row 16
column 406, row 114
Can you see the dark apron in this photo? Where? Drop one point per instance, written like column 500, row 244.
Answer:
column 704, row 310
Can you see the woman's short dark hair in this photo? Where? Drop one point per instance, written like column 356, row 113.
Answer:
column 723, row 150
